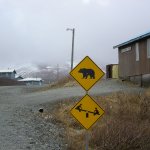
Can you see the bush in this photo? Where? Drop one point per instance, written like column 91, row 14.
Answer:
column 127, row 127
column 121, row 135
column 124, row 126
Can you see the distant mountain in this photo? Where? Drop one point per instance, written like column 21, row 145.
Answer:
column 27, row 70
column 48, row 73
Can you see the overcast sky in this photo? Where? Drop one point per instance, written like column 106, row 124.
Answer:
column 35, row 30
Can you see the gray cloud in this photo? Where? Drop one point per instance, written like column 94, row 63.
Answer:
column 35, row 30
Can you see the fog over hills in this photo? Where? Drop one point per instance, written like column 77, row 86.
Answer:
column 48, row 72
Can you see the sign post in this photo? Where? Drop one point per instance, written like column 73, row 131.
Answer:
column 86, row 140
column 87, row 111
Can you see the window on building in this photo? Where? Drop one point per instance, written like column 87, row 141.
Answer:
column 137, row 51
column 125, row 49
column 148, row 48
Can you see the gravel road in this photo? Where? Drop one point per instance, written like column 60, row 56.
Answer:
column 21, row 129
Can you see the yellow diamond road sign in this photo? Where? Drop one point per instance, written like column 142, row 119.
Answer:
column 87, row 111
column 87, row 73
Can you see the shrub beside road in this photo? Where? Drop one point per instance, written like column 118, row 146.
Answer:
column 124, row 126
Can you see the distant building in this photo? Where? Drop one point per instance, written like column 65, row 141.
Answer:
column 32, row 81
column 112, row 71
column 8, row 73
column 134, row 57
column 18, row 77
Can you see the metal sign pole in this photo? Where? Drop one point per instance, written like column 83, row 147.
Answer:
column 86, row 140
column 86, row 136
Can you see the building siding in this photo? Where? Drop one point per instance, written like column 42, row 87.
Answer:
column 128, row 66
column 10, row 75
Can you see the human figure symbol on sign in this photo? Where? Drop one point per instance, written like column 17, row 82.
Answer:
column 87, row 72
column 79, row 107
column 96, row 112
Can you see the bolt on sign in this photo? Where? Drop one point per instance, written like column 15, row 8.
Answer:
column 87, row 73
column 87, row 111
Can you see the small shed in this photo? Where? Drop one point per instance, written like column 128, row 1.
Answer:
column 32, row 81
column 7, row 73
column 134, row 57
column 112, row 71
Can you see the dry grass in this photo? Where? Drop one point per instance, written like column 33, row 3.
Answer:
column 124, row 126
column 63, row 81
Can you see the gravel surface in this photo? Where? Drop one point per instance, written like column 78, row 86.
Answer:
column 21, row 127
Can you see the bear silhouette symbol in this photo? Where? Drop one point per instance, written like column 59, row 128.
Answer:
column 87, row 73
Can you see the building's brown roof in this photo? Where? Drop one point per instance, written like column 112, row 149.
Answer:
column 147, row 35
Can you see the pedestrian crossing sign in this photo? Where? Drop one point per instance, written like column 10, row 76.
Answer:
column 87, row 73
column 87, row 111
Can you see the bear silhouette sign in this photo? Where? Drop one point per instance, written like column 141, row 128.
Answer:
column 87, row 73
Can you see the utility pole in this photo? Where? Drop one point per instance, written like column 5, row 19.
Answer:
column 57, row 68
column 72, row 52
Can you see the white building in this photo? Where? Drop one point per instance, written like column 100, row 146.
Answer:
column 32, row 81
column 8, row 73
